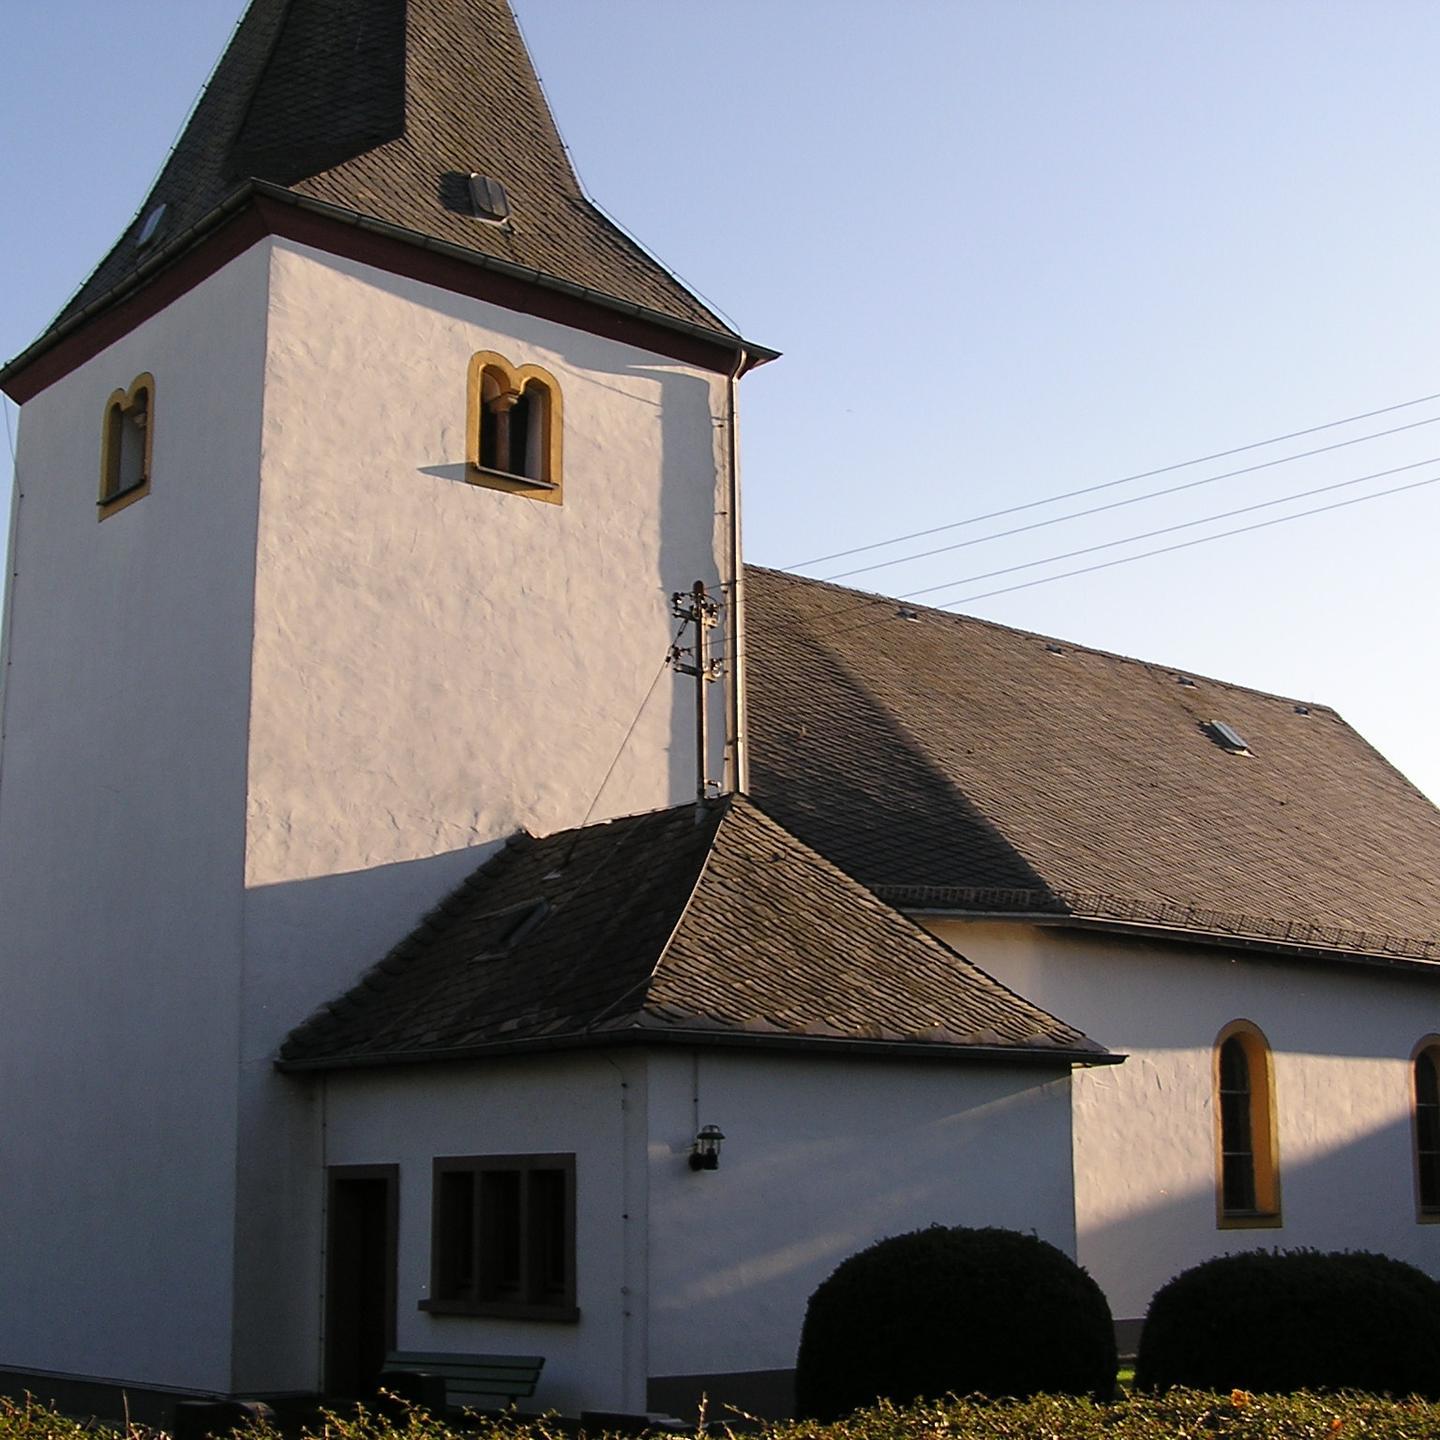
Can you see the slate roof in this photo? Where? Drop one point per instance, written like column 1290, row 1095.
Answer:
column 383, row 108
column 655, row 928
column 952, row 763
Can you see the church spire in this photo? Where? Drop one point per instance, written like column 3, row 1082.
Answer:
column 384, row 109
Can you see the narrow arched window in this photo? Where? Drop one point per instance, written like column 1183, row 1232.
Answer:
column 1427, row 1130
column 1248, row 1182
column 513, row 423
column 126, row 445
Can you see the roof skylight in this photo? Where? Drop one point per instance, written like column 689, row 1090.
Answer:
column 1227, row 737
column 151, row 226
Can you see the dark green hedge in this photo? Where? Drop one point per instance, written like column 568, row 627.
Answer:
column 1279, row 1321
column 953, row 1311
column 1178, row 1415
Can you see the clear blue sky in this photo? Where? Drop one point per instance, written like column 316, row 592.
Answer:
column 1009, row 247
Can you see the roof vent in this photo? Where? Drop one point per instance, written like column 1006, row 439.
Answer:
column 1186, row 681
column 1053, row 648
column 489, row 198
column 1227, row 737
column 151, row 226
column 504, row 929
column 905, row 613
column 1302, row 709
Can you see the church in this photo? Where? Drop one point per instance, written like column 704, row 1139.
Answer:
column 452, row 904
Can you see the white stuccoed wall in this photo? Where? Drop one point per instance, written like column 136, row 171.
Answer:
column 821, row 1158
column 684, row 1273
column 583, row 1105
column 436, row 665
column 122, row 805
column 200, row 842
column 1145, row 1164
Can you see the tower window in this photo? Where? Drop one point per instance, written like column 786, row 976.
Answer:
column 127, row 441
column 513, row 421
column 1248, row 1179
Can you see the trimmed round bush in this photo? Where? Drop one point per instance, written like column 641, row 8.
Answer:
column 953, row 1312
column 1278, row 1321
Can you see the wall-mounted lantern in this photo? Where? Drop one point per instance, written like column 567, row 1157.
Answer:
column 705, row 1153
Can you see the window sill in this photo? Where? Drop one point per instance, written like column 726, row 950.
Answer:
column 111, row 504
column 1250, row 1220
column 502, row 1310
column 1427, row 1217
column 546, row 490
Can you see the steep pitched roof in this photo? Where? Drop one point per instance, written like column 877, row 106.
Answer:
column 655, row 928
column 951, row 763
column 383, row 108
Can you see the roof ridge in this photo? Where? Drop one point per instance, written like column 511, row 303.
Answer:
column 724, row 809
column 608, row 858
column 963, row 619
column 745, row 809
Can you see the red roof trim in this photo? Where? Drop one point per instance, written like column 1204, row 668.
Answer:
column 89, row 338
column 260, row 216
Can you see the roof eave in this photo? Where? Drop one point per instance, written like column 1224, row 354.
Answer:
column 166, row 255
column 753, row 355
column 1219, row 939
column 1048, row 1057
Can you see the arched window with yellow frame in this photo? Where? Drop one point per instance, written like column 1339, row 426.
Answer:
column 1247, row 1181
column 513, row 428
column 127, row 442
column 1425, row 1091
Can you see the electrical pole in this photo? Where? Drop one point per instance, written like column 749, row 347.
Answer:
column 702, row 613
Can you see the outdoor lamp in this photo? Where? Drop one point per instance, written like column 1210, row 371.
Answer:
column 705, row 1153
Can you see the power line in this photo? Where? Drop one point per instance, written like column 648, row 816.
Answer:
column 1148, row 554
column 1132, row 500
column 1111, row 484
column 1204, row 539
column 871, row 600
column 630, row 729
column 1171, row 529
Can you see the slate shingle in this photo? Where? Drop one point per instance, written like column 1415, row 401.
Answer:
column 383, row 107
column 656, row 928
column 953, row 763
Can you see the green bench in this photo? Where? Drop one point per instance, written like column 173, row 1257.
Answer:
column 461, row 1382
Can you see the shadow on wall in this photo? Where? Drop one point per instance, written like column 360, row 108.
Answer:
column 691, row 547
column 1357, row 1196
column 308, row 941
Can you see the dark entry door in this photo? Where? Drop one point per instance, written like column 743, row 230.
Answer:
column 361, row 1242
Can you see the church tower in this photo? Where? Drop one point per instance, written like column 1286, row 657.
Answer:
column 352, row 490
